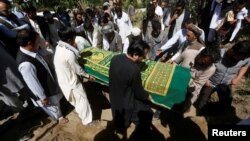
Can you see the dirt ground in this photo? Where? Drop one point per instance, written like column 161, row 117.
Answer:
column 170, row 127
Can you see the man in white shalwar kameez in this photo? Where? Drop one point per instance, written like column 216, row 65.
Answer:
column 68, row 71
column 123, row 22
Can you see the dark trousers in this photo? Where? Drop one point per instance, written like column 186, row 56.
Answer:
column 141, row 117
column 223, row 91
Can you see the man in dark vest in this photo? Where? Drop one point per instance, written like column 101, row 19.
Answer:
column 179, row 15
column 38, row 75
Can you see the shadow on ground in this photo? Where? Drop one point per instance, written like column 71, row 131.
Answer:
column 181, row 129
column 96, row 96
column 216, row 115
column 27, row 121
column 109, row 134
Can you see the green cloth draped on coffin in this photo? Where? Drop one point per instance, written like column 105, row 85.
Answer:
column 166, row 83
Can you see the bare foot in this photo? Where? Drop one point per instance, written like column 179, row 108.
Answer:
column 63, row 120
column 93, row 123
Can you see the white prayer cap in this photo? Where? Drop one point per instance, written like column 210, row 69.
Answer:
column 136, row 31
column 106, row 3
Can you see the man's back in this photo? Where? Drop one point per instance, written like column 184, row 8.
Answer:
column 121, row 75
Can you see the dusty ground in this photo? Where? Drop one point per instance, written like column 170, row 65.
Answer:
column 171, row 127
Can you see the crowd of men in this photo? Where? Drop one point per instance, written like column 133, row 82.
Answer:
column 39, row 56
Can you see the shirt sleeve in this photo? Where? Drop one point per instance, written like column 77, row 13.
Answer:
column 171, row 41
column 75, row 66
column 25, row 26
column 236, row 30
column 29, row 74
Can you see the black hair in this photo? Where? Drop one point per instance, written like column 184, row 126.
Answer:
column 156, row 24
column 105, row 7
column 103, row 18
column 150, row 11
column 207, row 56
column 29, row 8
column 26, row 35
column 240, row 2
column 66, row 33
column 242, row 48
column 88, row 24
column 203, row 60
column 213, row 49
column 46, row 12
column 89, row 13
column 181, row 3
column 137, row 47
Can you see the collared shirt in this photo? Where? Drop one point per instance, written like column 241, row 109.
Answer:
column 224, row 74
column 29, row 73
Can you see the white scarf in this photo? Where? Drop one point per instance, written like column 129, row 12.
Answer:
column 105, row 43
column 69, row 47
